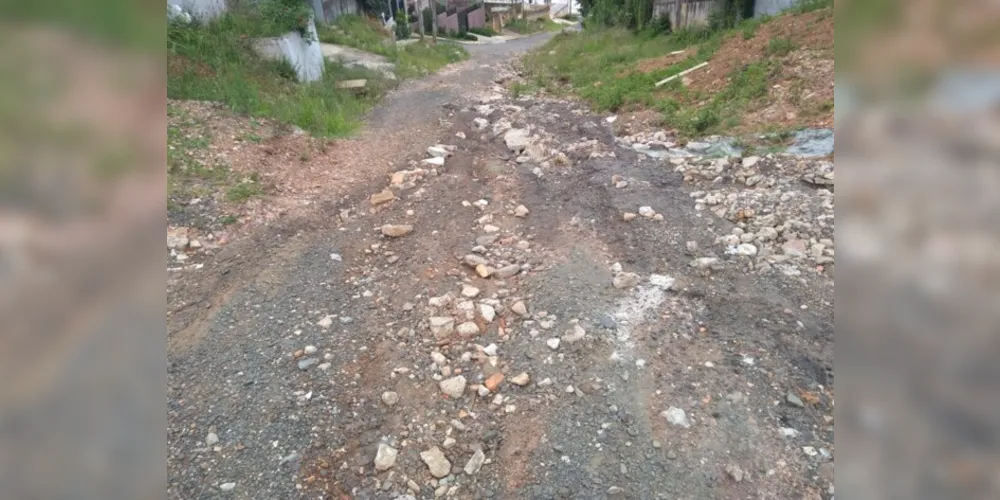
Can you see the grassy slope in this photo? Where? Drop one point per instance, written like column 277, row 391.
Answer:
column 523, row 27
column 599, row 65
column 412, row 60
column 215, row 63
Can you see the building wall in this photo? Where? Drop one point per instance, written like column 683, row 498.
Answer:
column 332, row 9
column 770, row 7
column 693, row 12
column 202, row 10
column 477, row 18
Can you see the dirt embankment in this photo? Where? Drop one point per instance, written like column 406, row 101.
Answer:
column 801, row 90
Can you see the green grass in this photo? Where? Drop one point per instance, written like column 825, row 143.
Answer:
column 524, row 27
column 779, row 46
column 245, row 189
column 411, row 60
column 600, row 66
column 215, row 62
column 804, row 6
column 483, row 31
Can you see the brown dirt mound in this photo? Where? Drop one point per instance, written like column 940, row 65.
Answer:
column 802, row 93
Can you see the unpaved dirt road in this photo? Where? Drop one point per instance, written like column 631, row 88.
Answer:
column 685, row 353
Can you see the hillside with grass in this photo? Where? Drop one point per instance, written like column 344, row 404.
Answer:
column 767, row 74
column 215, row 61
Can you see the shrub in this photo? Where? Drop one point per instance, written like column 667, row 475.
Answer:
column 487, row 31
column 402, row 29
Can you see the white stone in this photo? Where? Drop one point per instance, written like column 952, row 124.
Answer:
column 521, row 211
column 647, row 211
column 553, row 343
column 385, row 458
column 489, row 228
column 436, row 462
column 676, row 416
column 454, row 387
column 439, row 359
column 227, row 486
column 521, row 379
column 574, row 334
column 437, row 152
column 470, row 292
column 487, row 312
column 390, row 398
column 516, row 139
column 325, row 322
column 490, row 350
column 520, row 309
column 211, row 439
column 436, row 161
column 442, row 326
column 468, row 329
column 475, row 463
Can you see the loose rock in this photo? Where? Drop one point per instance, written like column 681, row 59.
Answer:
column 454, row 387
column 507, row 271
column 475, row 463
column 494, row 381
column 575, row 334
column 468, row 329
column 676, row 416
column 385, row 458
column 553, row 343
column 735, row 472
column 794, row 400
column 521, row 211
column 484, row 271
column 442, row 326
column 487, row 312
column 625, row 281
column 520, row 309
column 470, row 292
column 385, row 196
column 436, row 462
column 521, row 379
column 396, row 230
column 390, row 398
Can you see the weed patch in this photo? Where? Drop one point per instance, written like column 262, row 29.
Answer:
column 780, row 46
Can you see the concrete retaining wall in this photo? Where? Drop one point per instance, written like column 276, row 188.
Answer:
column 306, row 57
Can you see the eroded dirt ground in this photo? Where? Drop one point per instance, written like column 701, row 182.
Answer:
column 648, row 327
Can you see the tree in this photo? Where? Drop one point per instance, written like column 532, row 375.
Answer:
column 420, row 9
column 434, row 20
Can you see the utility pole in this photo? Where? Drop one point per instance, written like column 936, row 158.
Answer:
column 434, row 20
